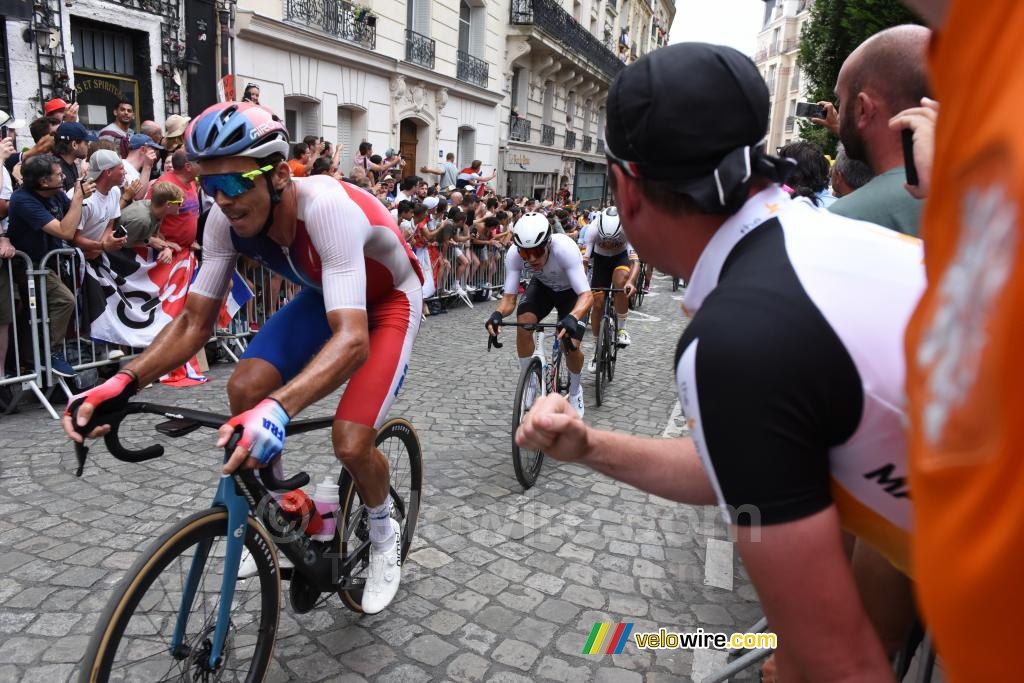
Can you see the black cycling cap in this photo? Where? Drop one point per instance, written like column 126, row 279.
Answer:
column 677, row 112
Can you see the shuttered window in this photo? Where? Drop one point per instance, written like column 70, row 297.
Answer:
column 5, row 71
column 345, row 131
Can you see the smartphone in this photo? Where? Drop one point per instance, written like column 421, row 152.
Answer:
column 3, row 132
column 73, row 96
column 908, row 156
column 120, row 232
column 809, row 110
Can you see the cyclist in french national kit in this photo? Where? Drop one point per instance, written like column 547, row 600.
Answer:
column 791, row 370
column 359, row 312
column 557, row 280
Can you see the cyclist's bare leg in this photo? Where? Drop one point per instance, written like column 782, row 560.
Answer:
column 619, row 279
column 252, row 381
column 524, row 338
column 595, row 313
column 353, row 446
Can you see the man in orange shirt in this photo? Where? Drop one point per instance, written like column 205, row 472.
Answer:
column 964, row 378
column 302, row 159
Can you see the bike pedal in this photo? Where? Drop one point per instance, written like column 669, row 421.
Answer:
column 287, row 573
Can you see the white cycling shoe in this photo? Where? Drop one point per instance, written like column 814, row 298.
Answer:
column 576, row 401
column 384, row 574
column 592, row 367
column 623, row 338
column 247, row 567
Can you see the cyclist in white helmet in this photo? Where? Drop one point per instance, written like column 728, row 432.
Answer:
column 557, row 280
column 615, row 265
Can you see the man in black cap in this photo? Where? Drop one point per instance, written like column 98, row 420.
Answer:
column 71, row 147
column 790, row 372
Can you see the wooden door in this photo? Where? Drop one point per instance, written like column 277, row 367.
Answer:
column 407, row 147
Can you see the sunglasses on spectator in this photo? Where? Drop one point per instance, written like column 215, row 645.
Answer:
column 532, row 252
column 231, row 184
column 176, row 201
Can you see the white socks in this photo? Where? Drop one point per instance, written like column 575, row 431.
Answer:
column 574, row 382
column 523, row 362
column 380, row 524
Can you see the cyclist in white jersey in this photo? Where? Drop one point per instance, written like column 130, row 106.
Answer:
column 557, row 280
column 615, row 265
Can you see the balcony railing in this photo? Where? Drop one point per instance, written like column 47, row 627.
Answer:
column 548, row 16
column 570, row 139
column 335, row 17
column 471, row 69
column 600, row 146
column 761, row 55
column 789, row 45
column 419, row 49
column 519, row 129
column 587, row 141
column 547, row 134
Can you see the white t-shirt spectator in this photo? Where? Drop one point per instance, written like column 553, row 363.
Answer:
column 5, row 194
column 130, row 173
column 97, row 211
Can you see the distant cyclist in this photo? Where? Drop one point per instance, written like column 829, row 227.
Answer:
column 557, row 280
column 615, row 265
column 354, row 321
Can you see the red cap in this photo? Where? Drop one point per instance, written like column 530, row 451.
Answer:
column 55, row 105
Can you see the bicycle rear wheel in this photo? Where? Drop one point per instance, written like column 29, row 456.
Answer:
column 525, row 462
column 398, row 442
column 640, row 285
column 133, row 636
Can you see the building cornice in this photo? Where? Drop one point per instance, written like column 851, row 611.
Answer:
column 302, row 40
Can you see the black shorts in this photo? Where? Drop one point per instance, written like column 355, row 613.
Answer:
column 539, row 299
column 604, row 266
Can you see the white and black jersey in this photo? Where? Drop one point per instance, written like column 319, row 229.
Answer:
column 791, row 372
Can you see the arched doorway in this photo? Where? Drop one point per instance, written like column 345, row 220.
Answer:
column 407, row 146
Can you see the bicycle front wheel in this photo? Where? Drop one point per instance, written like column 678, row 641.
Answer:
column 398, row 443
column 132, row 641
column 613, row 345
column 603, row 351
column 526, row 463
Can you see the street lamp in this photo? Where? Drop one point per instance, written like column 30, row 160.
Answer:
column 190, row 64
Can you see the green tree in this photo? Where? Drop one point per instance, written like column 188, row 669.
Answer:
column 835, row 29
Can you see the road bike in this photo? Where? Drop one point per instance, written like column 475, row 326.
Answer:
column 607, row 351
column 182, row 613
column 539, row 378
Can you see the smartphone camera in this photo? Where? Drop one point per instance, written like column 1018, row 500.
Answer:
column 120, row 232
column 810, row 110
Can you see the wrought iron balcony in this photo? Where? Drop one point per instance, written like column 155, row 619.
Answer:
column 548, row 16
column 518, row 129
column 570, row 139
column 471, row 69
column 419, row 49
column 600, row 146
column 547, row 134
column 335, row 17
column 587, row 141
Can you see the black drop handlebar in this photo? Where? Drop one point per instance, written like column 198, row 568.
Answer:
column 187, row 420
column 492, row 340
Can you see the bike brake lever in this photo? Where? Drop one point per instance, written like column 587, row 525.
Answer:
column 492, row 340
column 81, row 453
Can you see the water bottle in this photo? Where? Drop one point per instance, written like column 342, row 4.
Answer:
column 300, row 509
column 325, row 497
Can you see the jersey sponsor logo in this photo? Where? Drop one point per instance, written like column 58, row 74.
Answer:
column 894, row 486
column 951, row 350
column 401, row 380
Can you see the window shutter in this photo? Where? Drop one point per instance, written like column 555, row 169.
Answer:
column 345, row 134
column 478, row 34
column 311, row 120
column 421, row 17
column 549, row 102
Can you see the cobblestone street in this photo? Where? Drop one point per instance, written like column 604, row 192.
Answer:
column 500, row 585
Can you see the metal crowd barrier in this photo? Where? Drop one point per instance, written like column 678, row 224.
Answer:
column 270, row 292
column 487, row 275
